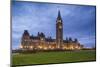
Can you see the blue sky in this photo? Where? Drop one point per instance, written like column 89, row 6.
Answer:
column 78, row 21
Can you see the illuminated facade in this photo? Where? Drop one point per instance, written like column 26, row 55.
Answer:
column 41, row 42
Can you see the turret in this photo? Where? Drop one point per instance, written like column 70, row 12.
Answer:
column 75, row 40
column 25, row 35
column 25, row 39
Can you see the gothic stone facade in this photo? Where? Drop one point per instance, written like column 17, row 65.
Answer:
column 41, row 42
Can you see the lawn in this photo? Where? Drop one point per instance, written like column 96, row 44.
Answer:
column 53, row 57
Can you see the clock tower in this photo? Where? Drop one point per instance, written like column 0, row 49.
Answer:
column 59, row 31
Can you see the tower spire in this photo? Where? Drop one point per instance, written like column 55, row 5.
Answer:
column 59, row 15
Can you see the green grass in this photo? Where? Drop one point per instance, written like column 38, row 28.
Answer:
column 53, row 57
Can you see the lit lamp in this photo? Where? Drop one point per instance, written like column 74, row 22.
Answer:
column 52, row 47
column 72, row 47
column 41, row 38
column 58, row 46
column 31, row 47
column 21, row 46
column 40, row 47
column 45, row 48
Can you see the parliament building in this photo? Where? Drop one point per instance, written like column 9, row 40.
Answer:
column 41, row 42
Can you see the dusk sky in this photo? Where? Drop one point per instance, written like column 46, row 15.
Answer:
column 78, row 21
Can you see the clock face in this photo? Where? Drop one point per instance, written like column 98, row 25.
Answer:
column 60, row 27
column 59, row 20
